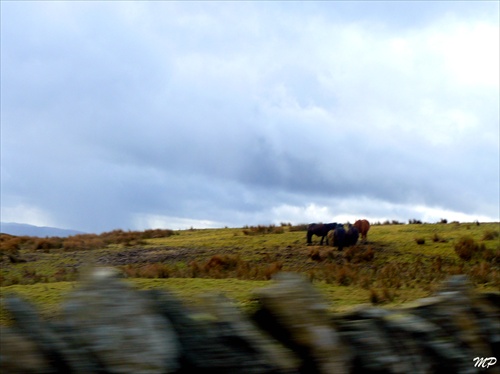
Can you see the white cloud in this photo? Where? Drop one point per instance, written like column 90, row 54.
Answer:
column 154, row 221
column 430, row 214
column 469, row 52
column 373, row 210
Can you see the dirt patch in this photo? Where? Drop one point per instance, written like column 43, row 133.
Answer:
column 149, row 255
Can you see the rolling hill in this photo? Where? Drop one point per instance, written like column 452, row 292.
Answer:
column 22, row 229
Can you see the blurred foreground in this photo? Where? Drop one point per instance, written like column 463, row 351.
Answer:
column 107, row 326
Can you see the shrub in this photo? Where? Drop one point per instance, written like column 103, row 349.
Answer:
column 157, row 233
column 420, row 241
column 259, row 230
column 314, row 254
column 63, row 274
column 10, row 245
column 31, row 276
column 127, row 238
column 365, row 282
column 344, row 275
column 48, row 243
column 155, row 271
column 367, row 255
column 466, row 248
column 222, row 262
column 83, row 242
column 391, row 274
column 437, row 264
column 388, row 295
column 436, row 238
column 490, row 235
column 300, row 227
column 375, row 299
column 272, row 269
column 196, row 269
column 481, row 272
column 491, row 255
column 358, row 254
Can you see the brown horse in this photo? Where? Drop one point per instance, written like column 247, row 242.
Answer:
column 363, row 226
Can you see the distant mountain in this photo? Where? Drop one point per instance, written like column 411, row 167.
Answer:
column 20, row 229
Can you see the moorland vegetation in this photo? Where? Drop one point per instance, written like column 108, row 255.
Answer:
column 399, row 262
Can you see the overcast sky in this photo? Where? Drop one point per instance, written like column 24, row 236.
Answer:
column 138, row 115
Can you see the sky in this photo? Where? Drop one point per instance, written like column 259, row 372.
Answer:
column 136, row 115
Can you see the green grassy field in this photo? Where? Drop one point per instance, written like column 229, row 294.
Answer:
column 390, row 269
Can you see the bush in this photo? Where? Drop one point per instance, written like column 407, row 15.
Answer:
column 272, row 269
column 222, row 262
column 48, row 243
column 481, row 272
column 345, row 275
column 300, row 227
column 83, row 242
column 154, row 270
column 375, row 299
column 314, row 254
column 259, row 230
column 466, row 248
column 490, row 235
column 438, row 239
column 357, row 254
column 10, row 245
column 157, row 233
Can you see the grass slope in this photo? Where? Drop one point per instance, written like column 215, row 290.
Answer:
column 392, row 268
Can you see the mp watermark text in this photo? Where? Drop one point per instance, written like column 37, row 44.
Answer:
column 484, row 362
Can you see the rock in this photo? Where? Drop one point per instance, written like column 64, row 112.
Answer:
column 106, row 326
column 60, row 356
column 295, row 313
column 223, row 341
column 21, row 355
column 120, row 327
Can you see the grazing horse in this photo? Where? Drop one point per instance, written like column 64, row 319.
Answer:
column 363, row 226
column 351, row 236
column 341, row 238
column 319, row 229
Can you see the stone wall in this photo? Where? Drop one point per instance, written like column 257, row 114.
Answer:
column 107, row 326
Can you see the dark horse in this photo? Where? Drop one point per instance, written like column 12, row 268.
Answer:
column 319, row 229
column 341, row 238
column 351, row 236
column 363, row 226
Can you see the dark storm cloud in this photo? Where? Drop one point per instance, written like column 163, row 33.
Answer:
column 136, row 115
